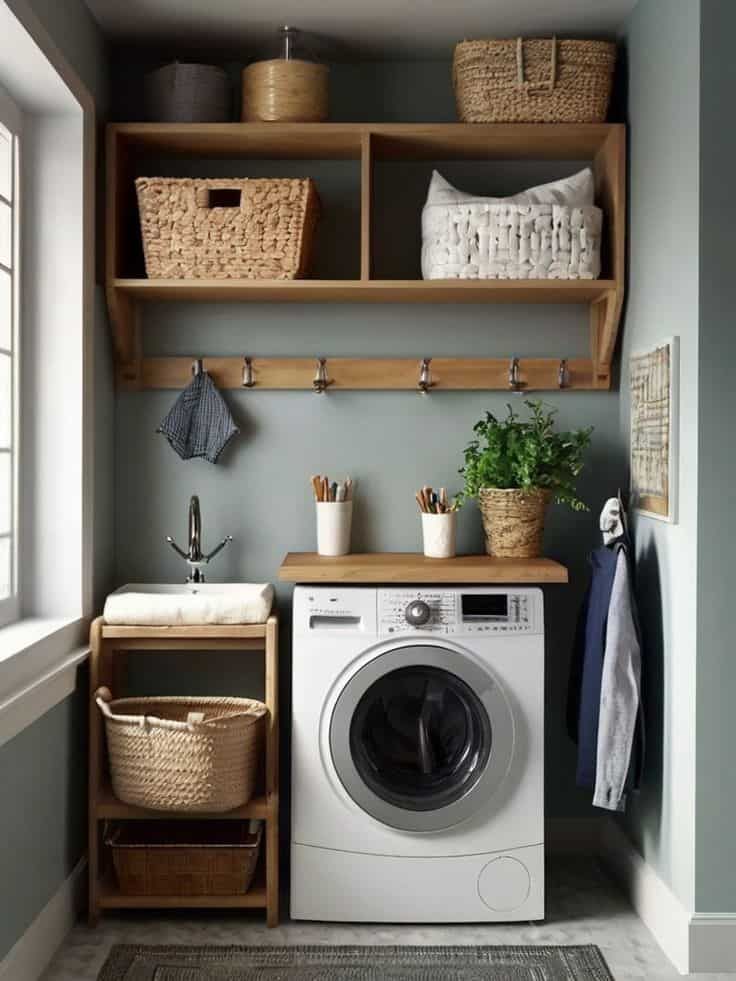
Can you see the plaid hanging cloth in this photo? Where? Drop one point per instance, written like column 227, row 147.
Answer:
column 199, row 423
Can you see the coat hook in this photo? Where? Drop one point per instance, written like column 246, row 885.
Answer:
column 563, row 374
column 425, row 376
column 515, row 382
column 248, row 379
column 321, row 381
column 197, row 367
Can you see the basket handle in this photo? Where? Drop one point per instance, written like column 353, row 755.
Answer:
column 552, row 81
column 219, row 197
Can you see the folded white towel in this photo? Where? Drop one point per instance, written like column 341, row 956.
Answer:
column 190, row 604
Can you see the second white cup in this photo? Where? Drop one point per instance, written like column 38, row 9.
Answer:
column 439, row 532
column 334, row 521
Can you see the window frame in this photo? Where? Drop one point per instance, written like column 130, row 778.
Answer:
column 11, row 126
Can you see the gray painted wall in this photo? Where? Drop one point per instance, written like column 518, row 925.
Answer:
column 715, row 855
column 43, row 818
column 662, row 55
column 43, row 769
column 390, row 442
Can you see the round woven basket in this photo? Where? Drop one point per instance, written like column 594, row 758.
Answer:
column 285, row 91
column 513, row 521
column 183, row 754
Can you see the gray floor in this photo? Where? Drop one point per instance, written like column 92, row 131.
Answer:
column 583, row 905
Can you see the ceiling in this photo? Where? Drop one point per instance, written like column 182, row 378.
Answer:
column 349, row 28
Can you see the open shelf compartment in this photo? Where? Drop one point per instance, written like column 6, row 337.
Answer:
column 370, row 146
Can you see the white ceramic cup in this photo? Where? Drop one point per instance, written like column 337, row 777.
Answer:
column 440, row 533
column 334, row 519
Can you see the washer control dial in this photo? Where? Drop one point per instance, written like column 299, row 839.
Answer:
column 417, row 613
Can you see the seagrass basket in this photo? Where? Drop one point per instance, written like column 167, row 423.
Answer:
column 533, row 80
column 513, row 521
column 249, row 228
column 184, row 858
column 183, row 754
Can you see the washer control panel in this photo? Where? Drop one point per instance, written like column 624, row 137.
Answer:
column 463, row 611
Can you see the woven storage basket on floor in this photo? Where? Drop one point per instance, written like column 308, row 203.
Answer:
column 513, row 521
column 184, row 858
column 533, row 81
column 250, row 228
column 183, row 754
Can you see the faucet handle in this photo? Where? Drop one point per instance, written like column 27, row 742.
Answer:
column 176, row 548
column 218, row 548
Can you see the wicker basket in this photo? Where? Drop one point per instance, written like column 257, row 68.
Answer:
column 259, row 228
column 185, row 858
column 183, row 754
column 182, row 93
column 513, row 521
column 533, row 81
column 284, row 91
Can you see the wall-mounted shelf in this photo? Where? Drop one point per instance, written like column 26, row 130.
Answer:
column 130, row 143
column 410, row 567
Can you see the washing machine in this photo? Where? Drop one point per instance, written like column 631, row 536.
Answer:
column 417, row 754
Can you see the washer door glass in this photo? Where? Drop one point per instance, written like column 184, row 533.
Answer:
column 420, row 738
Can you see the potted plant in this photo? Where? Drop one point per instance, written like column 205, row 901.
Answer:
column 514, row 468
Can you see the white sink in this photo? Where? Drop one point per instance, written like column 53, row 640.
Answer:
column 188, row 604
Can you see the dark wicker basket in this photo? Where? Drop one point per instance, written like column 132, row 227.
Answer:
column 185, row 858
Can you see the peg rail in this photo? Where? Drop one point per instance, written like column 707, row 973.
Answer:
column 380, row 374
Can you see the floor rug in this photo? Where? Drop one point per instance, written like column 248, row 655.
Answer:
column 325, row 963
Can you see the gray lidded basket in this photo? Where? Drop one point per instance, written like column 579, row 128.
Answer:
column 188, row 93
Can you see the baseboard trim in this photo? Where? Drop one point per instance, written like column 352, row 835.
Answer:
column 29, row 957
column 655, row 903
column 713, row 943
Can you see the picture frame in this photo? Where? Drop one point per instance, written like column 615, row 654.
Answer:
column 654, row 375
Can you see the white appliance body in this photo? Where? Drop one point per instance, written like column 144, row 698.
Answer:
column 418, row 754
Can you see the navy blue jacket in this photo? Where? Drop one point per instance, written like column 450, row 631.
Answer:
column 584, row 695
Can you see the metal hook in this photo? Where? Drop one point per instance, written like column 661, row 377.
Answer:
column 515, row 382
column 563, row 374
column 321, row 381
column 248, row 379
column 197, row 367
column 425, row 376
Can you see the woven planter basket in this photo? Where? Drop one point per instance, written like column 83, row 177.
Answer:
column 513, row 521
column 533, row 81
column 259, row 228
column 183, row 754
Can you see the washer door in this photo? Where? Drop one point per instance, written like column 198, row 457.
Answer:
column 421, row 737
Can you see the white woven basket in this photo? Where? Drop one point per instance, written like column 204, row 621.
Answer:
column 183, row 754
column 511, row 241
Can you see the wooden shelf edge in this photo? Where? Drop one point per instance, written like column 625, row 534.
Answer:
column 110, row 897
column 414, row 568
column 193, row 632
column 561, row 291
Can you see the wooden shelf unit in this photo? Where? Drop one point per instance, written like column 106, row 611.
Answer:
column 410, row 567
column 107, row 643
column 603, row 144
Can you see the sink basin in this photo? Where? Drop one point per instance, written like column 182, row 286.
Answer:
column 188, row 604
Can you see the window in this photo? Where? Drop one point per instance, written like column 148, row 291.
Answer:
column 9, row 292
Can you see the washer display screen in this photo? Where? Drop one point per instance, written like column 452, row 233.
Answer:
column 420, row 738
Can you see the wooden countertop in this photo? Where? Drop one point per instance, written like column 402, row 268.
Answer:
column 411, row 567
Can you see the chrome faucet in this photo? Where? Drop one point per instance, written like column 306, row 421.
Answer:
column 194, row 558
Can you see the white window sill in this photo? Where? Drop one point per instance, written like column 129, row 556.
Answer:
column 38, row 661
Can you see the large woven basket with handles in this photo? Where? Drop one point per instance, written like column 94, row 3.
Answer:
column 249, row 228
column 533, row 81
column 183, row 754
